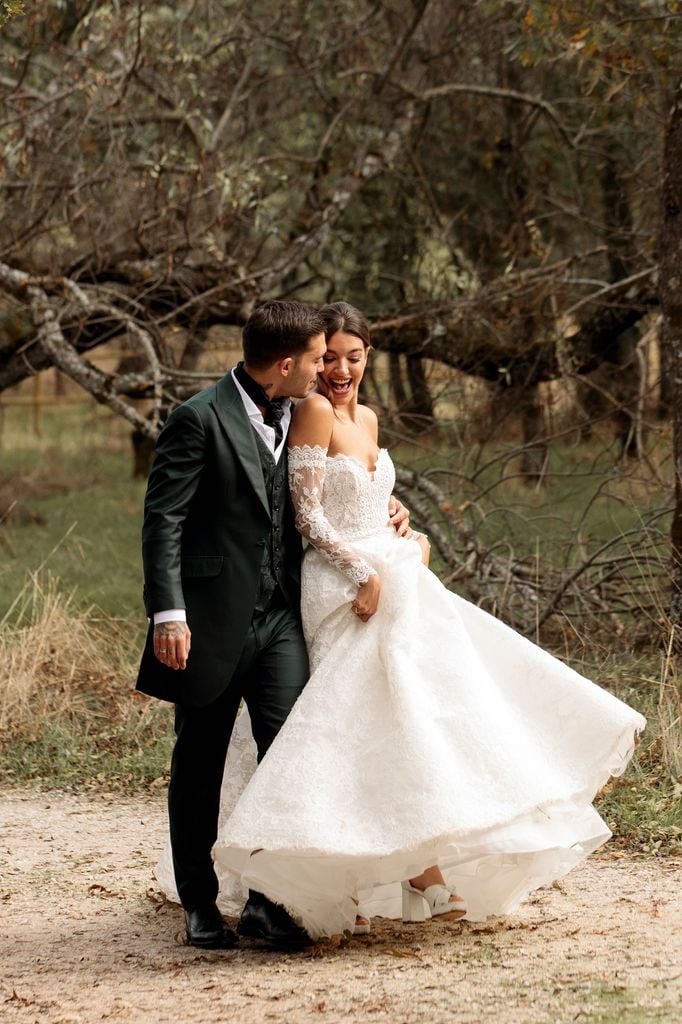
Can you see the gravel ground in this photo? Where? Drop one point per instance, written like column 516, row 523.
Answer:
column 86, row 937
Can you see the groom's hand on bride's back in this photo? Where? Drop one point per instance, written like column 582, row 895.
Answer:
column 172, row 641
column 399, row 517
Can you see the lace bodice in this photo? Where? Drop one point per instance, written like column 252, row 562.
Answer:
column 337, row 500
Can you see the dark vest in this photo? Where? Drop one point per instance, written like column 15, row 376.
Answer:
column 274, row 587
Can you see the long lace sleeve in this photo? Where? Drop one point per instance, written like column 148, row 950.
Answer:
column 306, row 483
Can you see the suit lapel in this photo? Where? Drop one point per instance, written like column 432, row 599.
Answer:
column 232, row 415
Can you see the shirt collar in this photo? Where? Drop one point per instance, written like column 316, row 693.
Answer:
column 252, row 410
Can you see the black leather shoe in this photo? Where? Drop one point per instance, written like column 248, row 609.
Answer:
column 206, row 929
column 270, row 923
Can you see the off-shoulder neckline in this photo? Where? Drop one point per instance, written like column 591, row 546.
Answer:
column 319, row 449
column 357, row 461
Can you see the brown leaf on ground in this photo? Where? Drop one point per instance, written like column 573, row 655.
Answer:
column 101, row 890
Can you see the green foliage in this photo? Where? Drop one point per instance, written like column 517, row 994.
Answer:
column 10, row 9
column 627, row 35
column 441, row 217
column 215, row 164
column 126, row 755
column 644, row 807
column 91, row 509
column 587, row 497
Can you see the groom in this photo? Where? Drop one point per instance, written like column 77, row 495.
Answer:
column 221, row 562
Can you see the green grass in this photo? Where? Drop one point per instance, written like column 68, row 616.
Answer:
column 79, row 483
column 617, row 1004
column 91, row 536
column 643, row 808
column 130, row 755
column 588, row 496
column 77, row 478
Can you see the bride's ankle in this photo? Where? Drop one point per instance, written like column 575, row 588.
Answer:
column 432, row 876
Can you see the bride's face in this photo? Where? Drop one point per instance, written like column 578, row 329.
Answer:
column 344, row 365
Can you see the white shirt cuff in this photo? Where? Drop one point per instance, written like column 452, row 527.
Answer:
column 174, row 615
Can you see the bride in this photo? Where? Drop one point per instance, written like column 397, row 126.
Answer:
column 437, row 762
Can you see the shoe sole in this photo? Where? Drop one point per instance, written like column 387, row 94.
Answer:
column 213, row 944
column 259, row 936
column 449, row 915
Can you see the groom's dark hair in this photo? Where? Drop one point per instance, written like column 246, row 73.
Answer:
column 278, row 329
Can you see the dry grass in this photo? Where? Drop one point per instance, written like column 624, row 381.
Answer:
column 54, row 658
column 670, row 714
column 68, row 713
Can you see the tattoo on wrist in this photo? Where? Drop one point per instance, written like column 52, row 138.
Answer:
column 169, row 629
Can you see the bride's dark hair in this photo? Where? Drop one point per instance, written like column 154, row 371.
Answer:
column 341, row 316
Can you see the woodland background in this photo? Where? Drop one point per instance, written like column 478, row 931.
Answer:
column 498, row 185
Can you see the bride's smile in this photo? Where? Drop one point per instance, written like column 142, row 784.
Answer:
column 344, row 365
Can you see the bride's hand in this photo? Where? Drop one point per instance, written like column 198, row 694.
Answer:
column 367, row 600
column 423, row 542
column 399, row 517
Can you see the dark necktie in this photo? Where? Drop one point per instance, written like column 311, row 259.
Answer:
column 273, row 409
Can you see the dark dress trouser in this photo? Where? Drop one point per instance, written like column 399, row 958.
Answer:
column 271, row 672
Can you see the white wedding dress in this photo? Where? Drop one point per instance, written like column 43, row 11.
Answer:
column 432, row 734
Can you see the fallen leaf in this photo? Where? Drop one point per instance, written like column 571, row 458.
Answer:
column 101, row 890
column 154, row 896
column 20, row 1000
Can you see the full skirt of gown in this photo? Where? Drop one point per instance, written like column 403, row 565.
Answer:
column 432, row 734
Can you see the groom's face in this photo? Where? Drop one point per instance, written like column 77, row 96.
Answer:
column 305, row 367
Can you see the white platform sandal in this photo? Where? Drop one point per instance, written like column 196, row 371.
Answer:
column 362, row 929
column 359, row 928
column 438, row 898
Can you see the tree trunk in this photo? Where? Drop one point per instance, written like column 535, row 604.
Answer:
column 395, row 374
column 666, row 395
column 617, row 381
column 419, row 411
column 535, row 448
column 622, row 258
column 670, row 290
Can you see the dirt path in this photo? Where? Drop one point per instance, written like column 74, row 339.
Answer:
column 85, row 938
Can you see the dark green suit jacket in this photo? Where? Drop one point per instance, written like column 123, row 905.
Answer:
column 207, row 520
